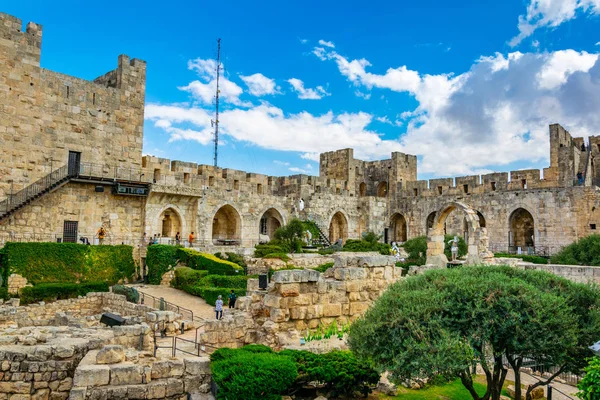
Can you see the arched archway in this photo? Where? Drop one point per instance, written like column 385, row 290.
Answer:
column 382, row 189
column 269, row 222
column 430, row 221
column 481, row 219
column 170, row 222
column 338, row 228
column 362, row 189
column 398, row 228
column 227, row 225
column 476, row 238
column 521, row 229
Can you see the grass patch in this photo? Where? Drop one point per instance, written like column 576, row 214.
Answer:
column 453, row 390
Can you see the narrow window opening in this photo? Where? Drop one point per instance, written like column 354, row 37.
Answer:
column 593, row 226
column 156, row 175
column 186, row 177
column 440, row 189
column 68, row 91
column 493, row 184
column 259, row 189
column 94, row 98
column 337, row 191
column 211, row 180
column 466, row 188
column 416, row 191
column 236, row 185
column 318, row 189
column 524, row 183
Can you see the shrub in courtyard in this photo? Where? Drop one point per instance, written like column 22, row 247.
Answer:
column 210, row 294
column 525, row 257
column 225, row 281
column 68, row 262
column 209, row 262
column 585, row 251
column 248, row 375
column 370, row 242
column 511, row 314
column 589, row 387
column 341, row 373
column 281, row 256
column 291, row 235
column 59, row 291
column 4, row 293
column 131, row 294
column 185, row 276
column 158, row 259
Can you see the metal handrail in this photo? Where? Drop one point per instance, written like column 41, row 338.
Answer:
column 167, row 304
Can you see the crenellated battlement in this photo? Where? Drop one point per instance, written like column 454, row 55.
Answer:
column 20, row 45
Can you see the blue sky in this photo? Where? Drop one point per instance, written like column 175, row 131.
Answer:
column 469, row 88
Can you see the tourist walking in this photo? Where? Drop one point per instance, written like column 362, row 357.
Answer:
column 232, row 299
column 191, row 239
column 177, row 238
column 580, row 178
column 101, row 234
column 219, row 307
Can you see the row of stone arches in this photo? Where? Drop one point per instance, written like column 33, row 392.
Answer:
column 521, row 227
column 227, row 225
column 382, row 189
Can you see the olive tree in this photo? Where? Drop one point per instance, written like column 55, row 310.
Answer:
column 444, row 322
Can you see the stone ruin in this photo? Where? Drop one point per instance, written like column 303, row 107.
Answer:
column 61, row 350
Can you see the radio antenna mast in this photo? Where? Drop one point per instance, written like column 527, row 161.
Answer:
column 216, row 121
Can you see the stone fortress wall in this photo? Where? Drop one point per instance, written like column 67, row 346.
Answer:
column 45, row 115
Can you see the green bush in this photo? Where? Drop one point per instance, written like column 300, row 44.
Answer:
column 4, row 294
column 185, row 276
column 324, row 267
column 327, row 251
column 236, row 258
column 226, row 352
column 210, row 294
column 68, row 262
column 131, row 294
column 205, row 261
column 224, row 281
column 585, row 251
column 364, row 245
column 281, row 256
column 252, row 376
column 342, row 374
column 525, row 257
column 59, row 291
column 158, row 260
column 262, row 250
column 417, row 248
column 590, row 384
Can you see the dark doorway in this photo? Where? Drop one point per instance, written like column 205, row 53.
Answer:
column 70, row 231
column 74, row 162
column 386, row 234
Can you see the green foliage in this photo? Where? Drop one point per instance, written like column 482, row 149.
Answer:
column 158, row 260
column 226, row 352
column 224, row 281
column 291, row 234
column 262, row 250
column 185, row 276
column 342, row 374
column 236, row 258
column 417, row 248
column 68, row 262
column 525, row 257
column 371, row 244
column 471, row 313
column 324, row 267
column 131, row 294
column 281, row 256
column 59, row 291
column 312, row 227
column 205, row 261
column 585, row 251
column 589, row 387
column 252, row 376
column 210, row 294
column 450, row 390
column 327, row 251
column 4, row 293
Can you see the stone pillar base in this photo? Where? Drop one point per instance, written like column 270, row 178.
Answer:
column 440, row 261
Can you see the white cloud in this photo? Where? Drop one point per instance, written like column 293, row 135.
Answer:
column 320, row 52
column 260, row 85
column 551, row 13
column 305, row 93
column 311, row 156
column 386, row 120
column 299, row 170
column 561, row 64
column 535, row 44
column 598, row 44
column 365, row 96
column 326, row 44
column 204, row 90
column 284, row 163
column 303, row 41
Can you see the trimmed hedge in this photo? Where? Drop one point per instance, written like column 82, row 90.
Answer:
column 525, row 257
column 4, row 294
column 262, row 250
column 158, row 260
column 210, row 294
column 224, row 281
column 68, row 262
column 252, row 376
column 205, row 261
column 59, row 291
column 281, row 256
column 185, row 276
column 364, row 245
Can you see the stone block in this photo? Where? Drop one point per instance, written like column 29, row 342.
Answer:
column 358, row 308
column 332, row 310
column 277, row 315
column 174, row 387
column 126, row 374
column 197, row 365
column 110, row 354
column 78, row 393
column 344, row 274
column 91, row 375
column 289, row 289
column 156, row 390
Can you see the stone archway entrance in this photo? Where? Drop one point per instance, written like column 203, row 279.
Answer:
column 477, row 241
column 269, row 222
column 227, row 226
column 521, row 229
column 170, row 223
column 338, row 228
column 398, row 228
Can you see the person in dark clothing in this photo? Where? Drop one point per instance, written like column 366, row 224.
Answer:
column 232, row 299
column 582, row 146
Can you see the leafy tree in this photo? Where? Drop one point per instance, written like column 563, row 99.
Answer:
column 590, row 384
column 443, row 322
column 291, row 234
column 585, row 251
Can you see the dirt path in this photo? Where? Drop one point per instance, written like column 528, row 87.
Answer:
column 527, row 380
column 180, row 298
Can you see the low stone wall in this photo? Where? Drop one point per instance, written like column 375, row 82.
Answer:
column 303, row 260
column 575, row 273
